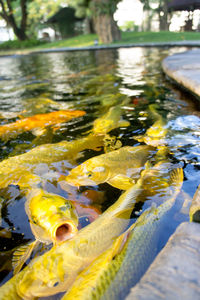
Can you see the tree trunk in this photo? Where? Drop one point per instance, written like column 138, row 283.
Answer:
column 106, row 28
column 7, row 15
column 163, row 15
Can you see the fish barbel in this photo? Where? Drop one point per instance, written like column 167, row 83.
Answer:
column 39, row 121
column 110, row 277
column 56, row 269
column 111, row 120
column 120, row 168
column 15, row 168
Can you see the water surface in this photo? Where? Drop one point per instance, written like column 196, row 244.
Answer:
column 93, row 81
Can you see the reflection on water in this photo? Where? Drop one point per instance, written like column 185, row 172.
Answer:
column 93, row 82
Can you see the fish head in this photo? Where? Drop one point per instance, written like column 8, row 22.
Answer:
column 88, row 173
column 44, row 276
column 103, row 126
column 52, row 217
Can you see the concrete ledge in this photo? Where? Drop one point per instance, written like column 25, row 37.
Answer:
column 175, row 273
column 184, row 68
column 101, row 47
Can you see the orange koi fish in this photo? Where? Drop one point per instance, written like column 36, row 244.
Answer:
column 37, row 122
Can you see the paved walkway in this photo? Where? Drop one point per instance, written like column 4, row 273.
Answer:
column 184, row 68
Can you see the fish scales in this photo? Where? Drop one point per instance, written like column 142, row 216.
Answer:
column 139, row 252
column 41, row 278
column 119, row 168
column 14, row 167
column 114, row 279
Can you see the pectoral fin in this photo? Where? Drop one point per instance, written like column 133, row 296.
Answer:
column 121, row 182
column 21, row 255
column 38, row 131
column 123, row 123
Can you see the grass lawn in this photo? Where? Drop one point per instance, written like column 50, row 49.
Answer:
column 88, row 40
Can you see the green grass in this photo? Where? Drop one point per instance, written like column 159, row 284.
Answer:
column 162, row 36
column 88, row 40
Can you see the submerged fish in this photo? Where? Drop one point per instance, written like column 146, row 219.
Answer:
column 16, row 168
column 155, row 135
column 111, row 120
column 111, row 276
column 195, row 207
column 56, row 270
column 37, row 122
column 52, row 218
column 120, row 168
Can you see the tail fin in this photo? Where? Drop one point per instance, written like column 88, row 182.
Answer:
column 176, row 178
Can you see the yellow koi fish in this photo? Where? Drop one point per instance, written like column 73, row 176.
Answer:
column 16, row 169
column 36, row 122
column 155, row 135
column 111, row 120
column 110, row 279
column 52, row 218
column 120, row 168
column 56, row 270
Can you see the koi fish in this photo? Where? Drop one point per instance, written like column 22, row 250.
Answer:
column 120, row 168
column 56, row 270
column 17, row 168
column 52, row 218
column 111, row 120
column 110, row 276
column 42, row 104
column 155, row 135
column 37, row 122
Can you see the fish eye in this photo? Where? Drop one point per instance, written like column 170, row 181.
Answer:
column 53, row 283
column 34, row 220
column 89, row 174
column 56, row 283
column 65, row 207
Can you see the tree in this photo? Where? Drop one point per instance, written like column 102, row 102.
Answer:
column 160, row 8
column 101, row 12
column 163, row 15
column 40, row 11
column 7, row 12
column 27, row 15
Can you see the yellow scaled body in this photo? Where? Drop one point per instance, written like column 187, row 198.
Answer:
column 16, row 169
column 120, row 168
column 108, row 278
column 155, row 135
column 56, row 270
column 111, row 120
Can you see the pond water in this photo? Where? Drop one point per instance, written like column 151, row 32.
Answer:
column 93, row 82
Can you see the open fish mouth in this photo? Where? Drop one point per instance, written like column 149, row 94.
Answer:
column 65, row 231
